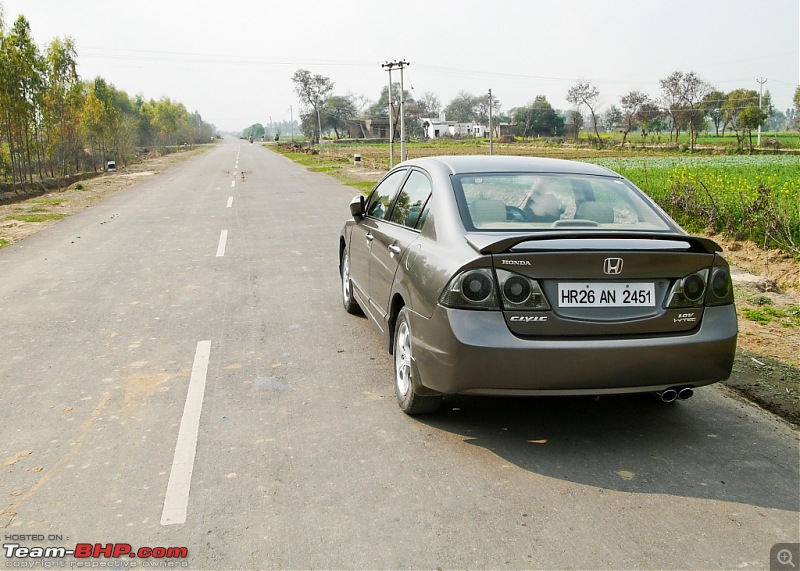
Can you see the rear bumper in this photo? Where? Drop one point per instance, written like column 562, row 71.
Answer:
column 459, row 351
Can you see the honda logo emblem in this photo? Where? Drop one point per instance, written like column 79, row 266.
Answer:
column 613, row 266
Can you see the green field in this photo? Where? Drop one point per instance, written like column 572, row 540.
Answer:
column 747, row 197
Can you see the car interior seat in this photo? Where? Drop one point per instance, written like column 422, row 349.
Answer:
column 485, row 211
column 595, row 211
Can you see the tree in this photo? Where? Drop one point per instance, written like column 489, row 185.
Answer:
column 631, row 106
column 649, row 118
column 683, row 96
column 482, row 109
column 381, row 107
column 584, row 94
column 256, row 130
column 429, row 104
column 742, row 114
column 575, row 121
column 752, row 118
column 49, row 118
column 63, row 97
column 693, row 92
column 463, row 108
column 538, row 118
column 712, row 104
column 312, row 91
column 797, row 100
column 338, row 111
column 21, row 94
column 611, row 119
column 670, row 100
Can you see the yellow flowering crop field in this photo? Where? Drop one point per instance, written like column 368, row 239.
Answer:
column 746, row 197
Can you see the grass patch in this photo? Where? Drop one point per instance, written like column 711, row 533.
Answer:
column 365, row 186
column 53, row 201
column 4, row 243
column 39, row 217
column 789, row 317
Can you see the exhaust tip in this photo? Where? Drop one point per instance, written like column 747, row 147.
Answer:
column 685, row 393
column 668, row 395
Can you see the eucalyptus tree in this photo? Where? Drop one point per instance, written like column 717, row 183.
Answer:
column 631, row 105
column 584, row 94
column 693, row 91
column 671, row 101
column 21, row 92
column 312, row 90
column 62, row 102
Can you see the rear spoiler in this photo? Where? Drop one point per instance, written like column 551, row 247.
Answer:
column 500, row 243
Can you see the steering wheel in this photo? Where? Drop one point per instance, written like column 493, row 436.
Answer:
column 515, row 213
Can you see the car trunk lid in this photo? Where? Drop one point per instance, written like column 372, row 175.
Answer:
column 601, row 285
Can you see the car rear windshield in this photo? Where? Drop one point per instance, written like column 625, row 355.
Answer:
column 526, row 202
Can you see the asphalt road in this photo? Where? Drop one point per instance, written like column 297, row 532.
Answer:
column 176, row 370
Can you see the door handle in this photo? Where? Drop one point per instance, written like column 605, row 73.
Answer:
column 394, row 250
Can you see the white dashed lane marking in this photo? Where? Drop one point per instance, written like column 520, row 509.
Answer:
column 223, row 238
column 176, row 502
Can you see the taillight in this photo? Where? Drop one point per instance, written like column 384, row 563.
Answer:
column 720, row 291
column 478, row 289
column 471, row 289
column 707, row 287
column 520, row 292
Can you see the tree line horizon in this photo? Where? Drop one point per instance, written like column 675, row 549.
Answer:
column 686, row 103
column 54, row 124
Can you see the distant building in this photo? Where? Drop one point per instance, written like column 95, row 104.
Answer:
column 371, row 128
column 438, row 127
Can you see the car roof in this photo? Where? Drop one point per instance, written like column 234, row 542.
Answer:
column 459, row 164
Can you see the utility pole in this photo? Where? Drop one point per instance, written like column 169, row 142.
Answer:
column 389, row 66
column 402, row 114
column 761, row 82
column 491, row 140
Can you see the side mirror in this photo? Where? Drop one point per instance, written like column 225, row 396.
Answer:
column 357, row 207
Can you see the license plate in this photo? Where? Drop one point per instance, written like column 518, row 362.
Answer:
column 606, row 294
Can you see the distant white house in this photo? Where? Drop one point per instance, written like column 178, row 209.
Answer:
column 436, row 128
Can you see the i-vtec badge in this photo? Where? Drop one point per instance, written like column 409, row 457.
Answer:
column 528, row 319
column 685, row 318
column 515, row 262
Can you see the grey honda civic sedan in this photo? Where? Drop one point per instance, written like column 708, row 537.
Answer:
column 498, row 275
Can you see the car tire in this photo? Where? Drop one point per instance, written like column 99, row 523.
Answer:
column 348, row 301
column 406, row 383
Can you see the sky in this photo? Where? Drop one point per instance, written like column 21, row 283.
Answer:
column 233, row 61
